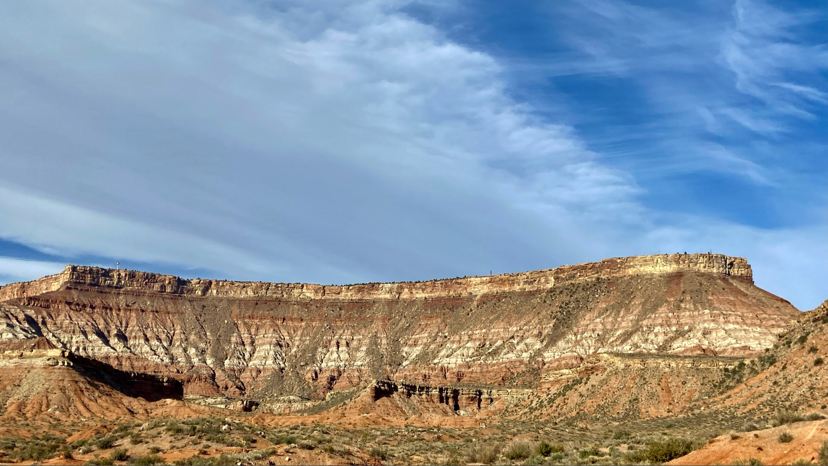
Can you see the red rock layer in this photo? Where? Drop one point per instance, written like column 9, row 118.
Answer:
column 261, row 340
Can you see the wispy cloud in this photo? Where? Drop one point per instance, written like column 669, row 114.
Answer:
column 291, row 142
column 356, row 141
column 16, row 270
column 762, row 50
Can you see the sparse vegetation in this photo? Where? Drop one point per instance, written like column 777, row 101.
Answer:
column 823, row 454
column 149, row 460
column 589, row 452
column 119, row 455
column 661, row 452
column 100, row 462
column 105, row 443
column 484, row 455
column 545, row 449
column 518, row 451
column 748, row 462
column 379, row 453
column 787, row 417
column 785, row 437
column 31, row 449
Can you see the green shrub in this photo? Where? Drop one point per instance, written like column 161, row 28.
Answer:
column 823, row 454
column 105, row 443
column 223, row 460
column 484, row 455
column 100, row 462
column 620, row 435
column 748, row 462
column 661, row 452
column 33, row 448
column 588, row 452
column 379, row 453
column 119, row 455
column 518, row 451
column 786, row 417
column 149, row 460
column 785, row 437
column 283, row 440
column 307, row 445
column 545, row 449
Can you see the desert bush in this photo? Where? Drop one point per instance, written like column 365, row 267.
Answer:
column 149, row 460
column 35, row 448
column 818, row 361
column 620, row 435
column 100, row 462
column 545, row 449
column 661, row 452
column 223, row 460
column 823, row 454
column 588, row 452
column 283, row 439
column 307, row 445
column 786, row 417
column 178, row 429
column 748, row 462
column 119, row 455
column 484, row 455
column 518, row 451
column 379, row 453
column 785, row 437
column 105, row 443
column 813, row 349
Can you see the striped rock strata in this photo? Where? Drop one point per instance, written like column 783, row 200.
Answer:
column 269, row 340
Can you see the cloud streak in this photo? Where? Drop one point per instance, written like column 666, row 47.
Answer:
column 364, row 146
column 356, row 141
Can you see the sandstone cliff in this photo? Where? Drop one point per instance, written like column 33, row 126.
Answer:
column 266, row 341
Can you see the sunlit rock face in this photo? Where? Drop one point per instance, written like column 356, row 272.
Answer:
column 259, row 340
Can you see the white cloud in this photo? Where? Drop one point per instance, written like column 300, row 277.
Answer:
column 347, row 142
column 17, row 270
column 344, row 142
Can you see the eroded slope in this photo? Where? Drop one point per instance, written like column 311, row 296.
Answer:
column 266, row 341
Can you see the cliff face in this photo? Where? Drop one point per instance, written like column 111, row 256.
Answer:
column 266, row 340
column 82, row 276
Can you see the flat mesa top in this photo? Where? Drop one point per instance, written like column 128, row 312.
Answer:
column 76, row 276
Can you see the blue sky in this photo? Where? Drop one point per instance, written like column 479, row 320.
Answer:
column 347, row 141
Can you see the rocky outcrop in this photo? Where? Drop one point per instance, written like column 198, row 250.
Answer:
column 261, row 341
column 129, row 280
